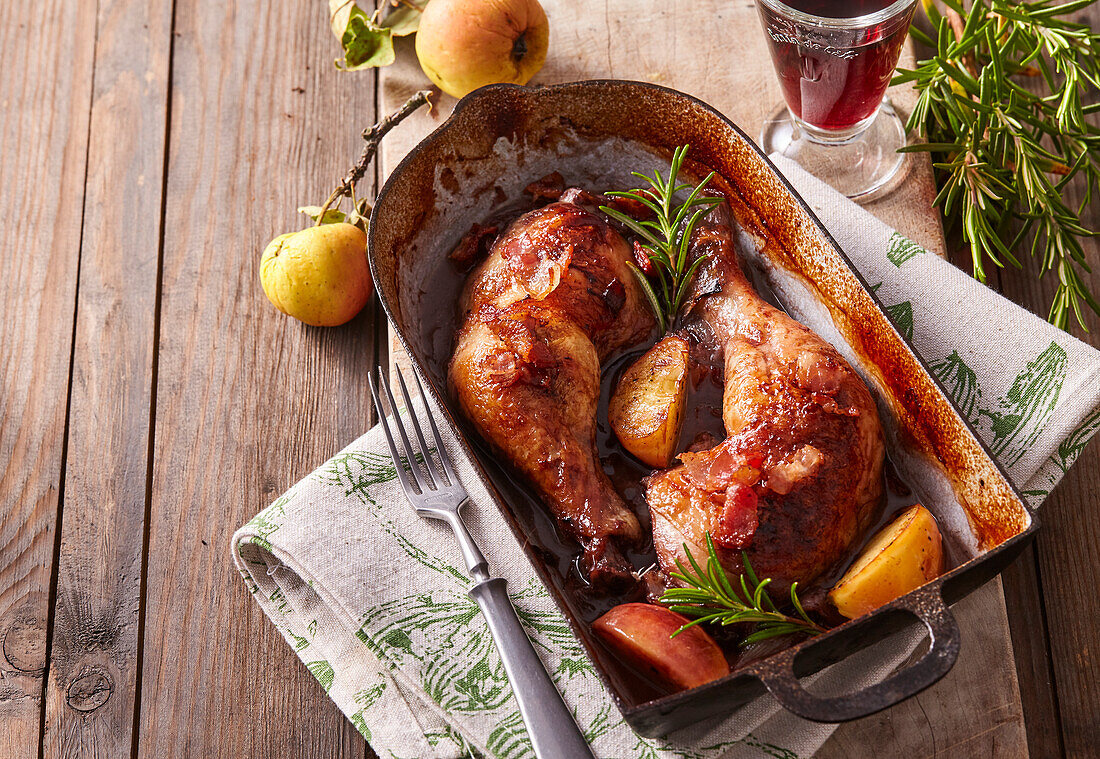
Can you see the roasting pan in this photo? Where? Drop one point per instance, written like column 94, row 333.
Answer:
column 502, row 137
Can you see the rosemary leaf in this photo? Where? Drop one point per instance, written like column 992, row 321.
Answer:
column 708, row 597
column 1005, row 153
column 666, row 237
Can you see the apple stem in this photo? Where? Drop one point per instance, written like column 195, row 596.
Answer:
column 373, row 135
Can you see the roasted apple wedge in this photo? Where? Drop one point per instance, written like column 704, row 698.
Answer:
column 904, row 555
column 641, row 634
column 647, row 408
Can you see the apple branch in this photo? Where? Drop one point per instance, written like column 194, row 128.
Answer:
column 373, row 135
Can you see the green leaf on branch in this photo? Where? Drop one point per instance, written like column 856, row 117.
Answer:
column 402, row 17
column 360, row 215
column 332, row 215
column 366, row 44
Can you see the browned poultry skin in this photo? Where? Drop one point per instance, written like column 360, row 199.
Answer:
column 799, row 478
column 553, row 299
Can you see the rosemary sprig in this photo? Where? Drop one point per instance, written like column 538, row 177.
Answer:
column 710, row 598
column 1006, row 154
column 665, row 238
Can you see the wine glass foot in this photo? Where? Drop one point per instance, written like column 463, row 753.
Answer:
column 863, row 167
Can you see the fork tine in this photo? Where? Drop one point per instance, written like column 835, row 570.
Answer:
column 409, row 450
column 444, row 457
column 429, row 466
column 405, row 484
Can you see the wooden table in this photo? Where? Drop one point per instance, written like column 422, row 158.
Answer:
column 151, row 400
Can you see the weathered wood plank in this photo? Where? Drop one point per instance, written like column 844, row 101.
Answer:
column 43, row 153
column 248, row 401
column 1031, row 649
column 94, row 658
column 1068, row 558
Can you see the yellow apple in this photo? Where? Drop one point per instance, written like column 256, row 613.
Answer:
column 318, row 275
column 904, row 555
column 466, row 44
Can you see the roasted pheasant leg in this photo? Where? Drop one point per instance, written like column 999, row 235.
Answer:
column 799, row 477
column 552, row 300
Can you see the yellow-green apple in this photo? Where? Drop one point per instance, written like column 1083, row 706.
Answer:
column 466, row 44
column 318, row 275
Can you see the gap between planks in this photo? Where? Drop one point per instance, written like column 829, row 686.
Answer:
column 44, row 140
column 91, row 683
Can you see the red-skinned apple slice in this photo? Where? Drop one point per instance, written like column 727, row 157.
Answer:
column 641, row 634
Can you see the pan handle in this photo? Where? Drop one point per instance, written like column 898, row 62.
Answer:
column 928, row 606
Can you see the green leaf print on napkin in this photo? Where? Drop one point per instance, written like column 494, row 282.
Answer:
column 509, row 740
column 433, row 633
column 900, row 249
column 445, row 635
column 1020, row 416
column 324, row 673
column 551, row 631
column 1072, row 446
column 365, row 699
column 449, row 735
column 902, row 316
column 1023, row 412
column 269, row 520
column 357, row 473
column 961, row 385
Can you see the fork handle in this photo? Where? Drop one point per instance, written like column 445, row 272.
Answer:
column 553, row 731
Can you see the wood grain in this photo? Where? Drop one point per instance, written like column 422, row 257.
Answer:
column 248, row 400
column 1068, row 561
column 1031, row 649
column 90, row 695
column 43, row 150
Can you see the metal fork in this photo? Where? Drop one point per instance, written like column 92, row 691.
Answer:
column 439, row 495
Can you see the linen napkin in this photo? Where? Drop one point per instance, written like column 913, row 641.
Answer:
column 372, row 598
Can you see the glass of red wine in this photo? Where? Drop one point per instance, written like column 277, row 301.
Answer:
column 834, row 59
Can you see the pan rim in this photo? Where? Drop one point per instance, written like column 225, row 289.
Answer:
column 666, row 702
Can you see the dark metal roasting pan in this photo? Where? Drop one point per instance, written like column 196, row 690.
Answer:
column 502, row 137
